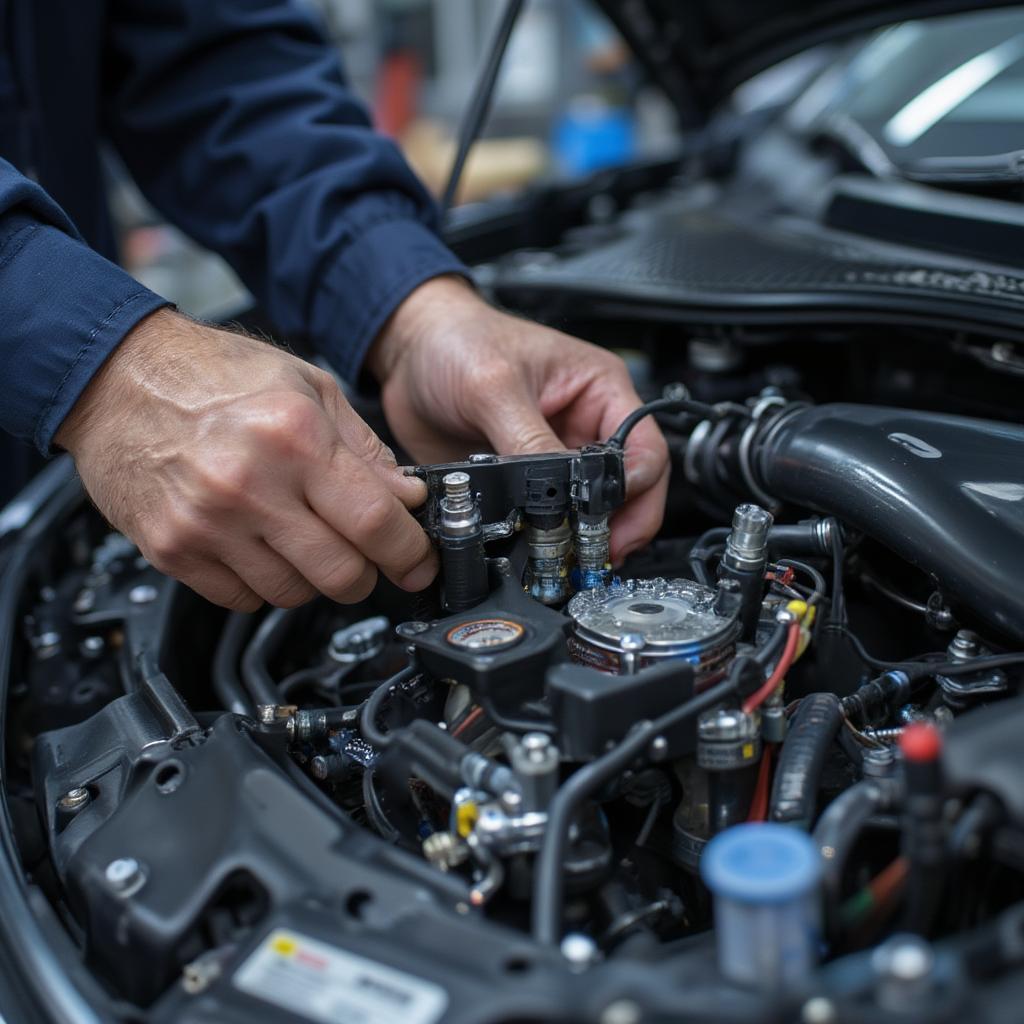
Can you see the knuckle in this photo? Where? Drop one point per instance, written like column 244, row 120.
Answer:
column 493, row 376
column 291, row 424
column 371, row 518
column 289, row 592
column 224, row 482
column 242, row 599
column 171, row 542
column 338, row 579
column 361, row 588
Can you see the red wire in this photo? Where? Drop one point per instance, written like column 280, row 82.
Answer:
column 759, row 804
column 758, row 697
column 468, row 721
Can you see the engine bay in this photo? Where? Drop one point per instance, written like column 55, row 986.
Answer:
column 768, row 769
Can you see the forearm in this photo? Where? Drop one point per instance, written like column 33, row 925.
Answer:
column 63, row 310
column 238, row 124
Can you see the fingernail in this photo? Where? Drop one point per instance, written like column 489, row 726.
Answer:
column 421, row 577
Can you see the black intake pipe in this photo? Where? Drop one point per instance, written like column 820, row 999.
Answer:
column 945, row 493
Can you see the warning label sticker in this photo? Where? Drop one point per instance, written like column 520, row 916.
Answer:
column 326, row 984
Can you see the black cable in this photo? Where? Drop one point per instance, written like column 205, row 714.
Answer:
column 918, row 670
column 820, row 586
column 226, row 683
column 701, row 409
column 482, row 95
column 372, row 708
column 264, row 645
column 548, row 879
column 513, row 723
column 841, row 824
column 838, row 610
column 706, row 544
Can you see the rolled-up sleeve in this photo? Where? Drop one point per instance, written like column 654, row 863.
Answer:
column 236, row 120
column 63, row 310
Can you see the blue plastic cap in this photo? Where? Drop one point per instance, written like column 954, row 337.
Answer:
column 761, row 863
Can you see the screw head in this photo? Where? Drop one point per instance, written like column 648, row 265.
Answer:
column 144, row 593
column 536, row 744
column 92, row 646
column 123, row 874
column 74, row 799
column 579, row 950
column 818, row 1010
column 632, row 642
column 412, row 628
column 622, row 1011
column 659, row 748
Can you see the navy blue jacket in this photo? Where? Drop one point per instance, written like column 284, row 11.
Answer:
column 234, row 118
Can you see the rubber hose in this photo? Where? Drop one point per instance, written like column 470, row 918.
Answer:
column 802, row 758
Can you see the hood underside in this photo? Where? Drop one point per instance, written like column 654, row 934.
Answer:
column 698, row 51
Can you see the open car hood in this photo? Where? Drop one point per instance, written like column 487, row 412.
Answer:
column 700, row 50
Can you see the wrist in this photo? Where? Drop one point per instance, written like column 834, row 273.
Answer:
column 427, row 308
column 134, row 355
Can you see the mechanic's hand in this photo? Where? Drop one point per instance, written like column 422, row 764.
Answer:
column 456, row 373
column 242, row 470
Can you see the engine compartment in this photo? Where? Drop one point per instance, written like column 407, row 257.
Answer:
column 494, row 801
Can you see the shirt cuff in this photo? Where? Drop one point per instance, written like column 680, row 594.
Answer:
column 63, row 310
column 376, row 272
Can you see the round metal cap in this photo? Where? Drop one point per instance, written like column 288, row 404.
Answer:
column 662, row 613
column 485, row 634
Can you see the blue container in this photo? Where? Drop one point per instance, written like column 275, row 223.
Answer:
column 765, row 879
column 591, row 136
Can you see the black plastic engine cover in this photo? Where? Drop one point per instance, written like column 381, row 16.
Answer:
column 215, row 827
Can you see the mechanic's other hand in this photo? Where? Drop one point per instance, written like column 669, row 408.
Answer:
column 242, row 471
column 455, row 373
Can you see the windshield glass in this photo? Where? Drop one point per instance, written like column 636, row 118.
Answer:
column 946, row 87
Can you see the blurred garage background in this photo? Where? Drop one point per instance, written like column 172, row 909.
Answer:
column 569, row 102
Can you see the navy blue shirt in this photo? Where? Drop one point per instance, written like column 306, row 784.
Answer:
column 234, row 118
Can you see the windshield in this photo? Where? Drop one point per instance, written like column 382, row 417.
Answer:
column 946, row 87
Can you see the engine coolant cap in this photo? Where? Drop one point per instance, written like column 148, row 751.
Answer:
column 761, row 863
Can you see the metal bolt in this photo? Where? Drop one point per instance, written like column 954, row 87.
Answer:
column 536, row 745
column 142, row 594
column 964, row 645
column 266, row 713
column 74, row 799
column 457, row 494
column 512, row 802
column 910, row 960
column 413, row 628
column 92, row 646
column 124, row 873
column 445, row 851
column 878, row 762
column 818, row 1010
column 47, row 644
column 328, row 766
column 904, row 966
column 579, row 950
column 622, row 1011
column 659, row 748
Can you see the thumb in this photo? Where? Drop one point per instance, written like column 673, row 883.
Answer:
column 514, row 424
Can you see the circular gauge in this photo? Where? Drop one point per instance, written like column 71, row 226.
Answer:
column 485, row 634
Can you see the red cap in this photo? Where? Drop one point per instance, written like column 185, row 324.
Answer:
column 921, row 742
